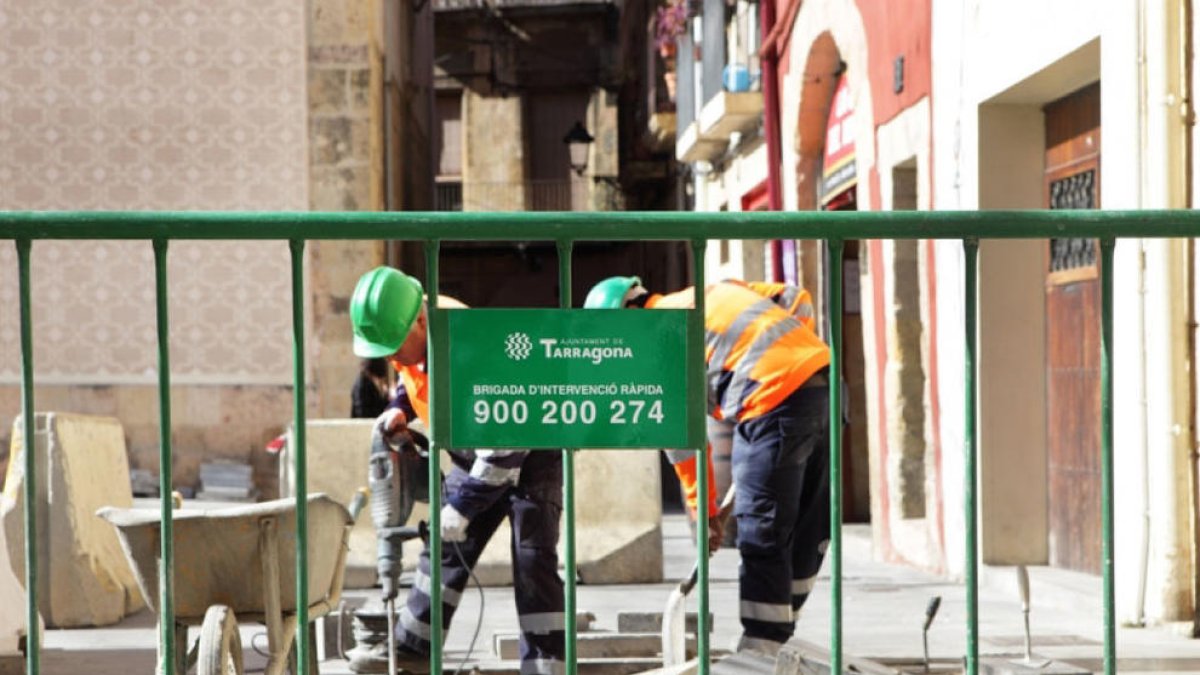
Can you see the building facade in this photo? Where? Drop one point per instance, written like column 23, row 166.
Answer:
column 512, row 80
column 834, row 114
column 1093, row 110
column 950, row 105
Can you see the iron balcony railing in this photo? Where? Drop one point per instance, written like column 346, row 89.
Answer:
column 566, row 228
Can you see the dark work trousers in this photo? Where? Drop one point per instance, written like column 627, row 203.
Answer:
column 781, row 467
column 533, row 507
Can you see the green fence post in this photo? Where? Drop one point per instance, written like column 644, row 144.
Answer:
column 166, row 568
column 435, row 340
column 970, row 507
column 697, row 410
column 301, row 455
column 835, row 454
column 33, row 639
column 1106, row 452
column 564, row 300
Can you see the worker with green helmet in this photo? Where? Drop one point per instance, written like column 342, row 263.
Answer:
column 767, row 374
column 388, row 313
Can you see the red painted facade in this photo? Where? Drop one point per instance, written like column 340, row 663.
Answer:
column 897, row 29
column 892, row 30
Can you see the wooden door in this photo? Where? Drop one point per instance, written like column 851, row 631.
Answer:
column 1072, row 181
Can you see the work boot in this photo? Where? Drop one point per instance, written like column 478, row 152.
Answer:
column 758, row 646
column 374, row 659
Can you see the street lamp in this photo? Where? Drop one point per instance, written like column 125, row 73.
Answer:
column 577, row 140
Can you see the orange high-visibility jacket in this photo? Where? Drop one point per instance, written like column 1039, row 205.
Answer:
column 757, row 353
column 415, row 379
column 797, row 301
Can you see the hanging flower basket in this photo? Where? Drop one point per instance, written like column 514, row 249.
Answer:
column 670, row 21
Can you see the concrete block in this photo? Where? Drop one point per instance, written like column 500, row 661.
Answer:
column 618, row 506
column 651, row 622
column 599, row 645
column 337, row 453
column 618, row 509
column 13, row 627
column 84, row 578
column 335, row 634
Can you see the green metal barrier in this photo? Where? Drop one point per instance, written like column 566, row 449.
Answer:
column 564, row 229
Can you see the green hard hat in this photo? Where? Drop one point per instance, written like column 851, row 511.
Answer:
column 610, row 293
column 384, row 305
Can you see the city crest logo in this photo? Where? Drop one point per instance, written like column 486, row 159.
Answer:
column 517, row 346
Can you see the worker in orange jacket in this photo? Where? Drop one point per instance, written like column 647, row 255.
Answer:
column 484, row 487
column 767, row 373
column 798, row 302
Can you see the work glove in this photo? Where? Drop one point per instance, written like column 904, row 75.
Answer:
column 454, row 525
column 392, row 425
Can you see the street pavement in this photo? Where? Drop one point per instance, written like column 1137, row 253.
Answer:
column 883, row 612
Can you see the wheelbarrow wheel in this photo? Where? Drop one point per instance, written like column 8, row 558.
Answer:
column 220, row 643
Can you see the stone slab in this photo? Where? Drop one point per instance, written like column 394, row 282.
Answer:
column 804, row 658
column 743, row 664
column 584, row 667
column 1004, row 665
column 12, row 614
column 651, row 622
column 598, row 645
column 85, row 579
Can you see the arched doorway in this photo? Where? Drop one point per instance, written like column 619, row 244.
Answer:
column 825, row 177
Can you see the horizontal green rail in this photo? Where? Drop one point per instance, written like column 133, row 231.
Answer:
column 565, row 229
column 585, row 226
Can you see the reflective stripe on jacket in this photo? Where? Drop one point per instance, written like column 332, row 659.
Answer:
column 757, row 353
column 753, row 345
column 797, row 301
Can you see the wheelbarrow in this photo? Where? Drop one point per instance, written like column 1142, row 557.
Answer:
column 237, row 564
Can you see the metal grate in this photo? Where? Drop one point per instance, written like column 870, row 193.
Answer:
column 1077, row 191
column 1070, row 254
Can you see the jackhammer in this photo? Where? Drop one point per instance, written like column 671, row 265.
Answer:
column 396, row 477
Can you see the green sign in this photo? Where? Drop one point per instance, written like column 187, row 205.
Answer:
column 552, row 378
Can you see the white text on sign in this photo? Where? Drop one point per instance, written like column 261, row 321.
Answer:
column 569, row 412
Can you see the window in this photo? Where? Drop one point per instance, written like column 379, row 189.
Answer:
column 448, row 151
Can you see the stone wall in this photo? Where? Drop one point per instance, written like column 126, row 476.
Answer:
column 365, row 101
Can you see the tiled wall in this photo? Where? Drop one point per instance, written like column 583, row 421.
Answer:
column 163, row 105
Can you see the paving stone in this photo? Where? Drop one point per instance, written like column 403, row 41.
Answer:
column 1007, row 665
column 651, row 622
